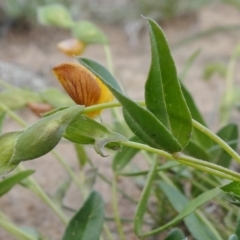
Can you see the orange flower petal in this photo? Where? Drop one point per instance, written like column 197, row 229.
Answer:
column 79, row 83
column 82, row 86
column 71, row 47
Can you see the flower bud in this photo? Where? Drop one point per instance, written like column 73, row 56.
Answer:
column 72, row 47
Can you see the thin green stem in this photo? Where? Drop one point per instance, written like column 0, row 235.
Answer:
column 67, row 168
column 14, row 116
column 189, row 161
column 108, row 233
column 115, row 208
column 198, row 212
column 9, row 227
column 35, row 187
column 216, row 139
column 106, row 180
column 108, row 55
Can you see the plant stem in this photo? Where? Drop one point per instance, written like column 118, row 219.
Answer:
column 13, row 230
column 34, row 186
column 216, row 139
column 189, row 161
column 108, row 55
column 198, row 212
column 108, row 233
column 14, row 116
column 67, row 168
column 103, row 178
column 115, row 208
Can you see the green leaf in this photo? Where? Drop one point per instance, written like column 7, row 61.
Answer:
column 196, row 226
column 229, row 134
column 56, row 98
column 54, row 15
column 88, row 33
column 233, row 187
column 197, row 135
column 101, row 72
column 84, row 130
column 41, row 137
column 175, row 234
column 7, row 142
column 8, row 183
column 163, row 93
column 88, row 221
column 142, row 204
column 122, row 158
column 141, row 121
column 81, row 154
column 232, row 198
column 195, row 150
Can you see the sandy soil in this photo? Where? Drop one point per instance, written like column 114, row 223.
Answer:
column 35, row 52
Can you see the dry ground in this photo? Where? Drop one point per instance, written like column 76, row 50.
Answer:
column 35, row 52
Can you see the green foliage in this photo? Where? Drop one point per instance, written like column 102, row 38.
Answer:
column 55, row 15
column 88, row 33
column 175, row 188
column 87, row 223
column 84, row 130
column 8, row 183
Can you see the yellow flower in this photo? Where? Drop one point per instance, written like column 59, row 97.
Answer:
column 82, row 86
column 71, row 47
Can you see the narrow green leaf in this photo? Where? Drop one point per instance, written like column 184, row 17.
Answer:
column 101, row 72
column 86, row 129
column 163, row 93
column 233, row 187
column 175, row 234
column 81, row 154
column 122, row 158
column 87, row 223
column 142, row 204
column 41, row 137
column 229, row 133
column 54, row 15
column 196, row 115
column 197, row 135
column 232, row 198
column 141, row 121
column 88, row 32
column 8, row 183
column 196, row 226
column 7, row 142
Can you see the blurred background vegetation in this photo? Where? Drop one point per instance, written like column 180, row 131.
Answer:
column 113, row 11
